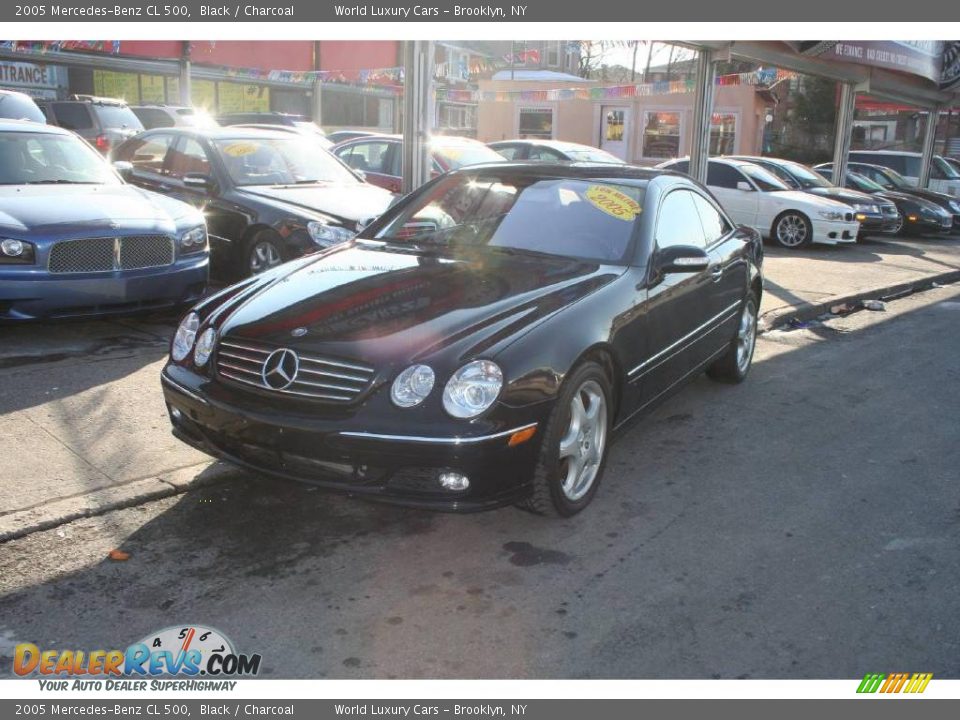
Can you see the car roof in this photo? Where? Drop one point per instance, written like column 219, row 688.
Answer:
column 434, row 139
column 904, row 153
column 31, row 126
column 227, row 132
column 631, row 174
column 731, row 161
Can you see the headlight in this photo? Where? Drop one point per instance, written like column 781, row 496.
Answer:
column 872, row 209
column 472, row 389
column 412, row 386
column 931, row 213
column 194, row 240
column 325, row 235
column 204, row 347
column 955, row 206
column 831, row 214
column 186, row 334
column 16, row 252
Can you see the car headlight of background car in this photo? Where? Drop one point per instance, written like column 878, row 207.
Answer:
column 185, row 337
column 16, row 252
column 932, row 213
column 472, row 389
column 193, row 241
column 831, row 214
column 872, row 209
column 412, row 386
column 955, row 206
column 325, row 235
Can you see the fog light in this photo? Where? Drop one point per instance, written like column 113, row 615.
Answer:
column 861, row 216
column 453, row 481
column 11, row 248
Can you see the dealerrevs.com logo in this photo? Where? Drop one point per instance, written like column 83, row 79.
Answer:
column 184, row 652
column 889, row 683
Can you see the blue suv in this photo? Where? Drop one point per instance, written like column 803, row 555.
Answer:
column 76, row 240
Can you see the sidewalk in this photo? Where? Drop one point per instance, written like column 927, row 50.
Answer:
column 85, row 428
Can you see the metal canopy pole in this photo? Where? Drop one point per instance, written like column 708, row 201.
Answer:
column 702, row 114
column 929, row 138
column 841, row 141
column 318, row 102
column 417, row 92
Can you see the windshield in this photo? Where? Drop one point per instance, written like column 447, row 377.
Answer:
column 764, row 179
column 457, row 156
column 593, row 155
column 118, row 116
column 281, row 161
column 863, row 183
column 892, row 179
column 949, row 172
column 806, row 177
column 42, row 159
column 577, row 218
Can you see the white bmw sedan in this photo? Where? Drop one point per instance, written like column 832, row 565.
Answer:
column 755, row 197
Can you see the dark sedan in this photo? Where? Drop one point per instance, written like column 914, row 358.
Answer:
column 873, row 213
column 944, row 219
column 268, row 196
column 76, row 241
column 552, row 151
column 478, row 344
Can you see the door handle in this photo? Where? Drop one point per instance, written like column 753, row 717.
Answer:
column 716, row 273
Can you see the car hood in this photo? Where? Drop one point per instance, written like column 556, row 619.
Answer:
column 350, row 204
column 938, row 198
column 842, row 195
column 32, row 208
column 800, row 198
column 382, row 306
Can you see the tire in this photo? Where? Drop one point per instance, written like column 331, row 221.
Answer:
column 263, row 252
column 558, row 489
column 734, row 365
column 792, row 230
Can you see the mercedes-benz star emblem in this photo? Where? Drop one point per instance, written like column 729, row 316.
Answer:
column 280, row 369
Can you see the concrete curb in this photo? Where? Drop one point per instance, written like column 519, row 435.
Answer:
column 64, row 510
column 778, row 317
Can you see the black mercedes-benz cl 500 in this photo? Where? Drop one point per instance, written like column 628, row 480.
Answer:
column 477, row 344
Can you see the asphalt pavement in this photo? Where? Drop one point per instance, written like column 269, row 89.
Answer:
column 803, row 524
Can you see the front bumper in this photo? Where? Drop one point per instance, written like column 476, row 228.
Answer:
column 834, row 232
column 924, row 225
column 877, row 222
column 31, row 293
column 397, row 466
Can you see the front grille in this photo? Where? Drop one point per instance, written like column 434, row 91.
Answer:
column 317, row 377
column 135, row 252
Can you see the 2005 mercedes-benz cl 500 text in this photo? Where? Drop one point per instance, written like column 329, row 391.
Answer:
column 477, row 344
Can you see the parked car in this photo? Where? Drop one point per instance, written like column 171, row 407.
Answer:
column 379, row 157
column 952, row 162
column 76, row 240
column 934, row 211
column 478, row 344
column 18, row 106
column 943, row 177
column 874, row 214
column 759, row 199
column 269, row 118
column 317, row 137
column 268, row 196
column 339, row 136
column 160, row 116
column 103, row 122
column 551, row 151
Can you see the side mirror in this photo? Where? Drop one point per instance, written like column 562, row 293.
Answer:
column 198, row 181
column 124, row 169
column 681, row 259
column 745, row 186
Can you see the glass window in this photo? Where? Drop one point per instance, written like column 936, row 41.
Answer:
column 73, row 116
column 453, row 156
column 661, row 135
column 593, row 155
column 188, row 156
column 19, row 107
column 545, row 154
column 714, row 224
column 723, row 134
column 117, row 116
column 763, row 178
column 571, row 217
column 367, row 156
column 536, row 123
column 510, row 152
column 41, row 158
column 280, row 161
column 154, row 117
column 723, row 176
column 146, row 153
column 614, row 123
column 679, row 221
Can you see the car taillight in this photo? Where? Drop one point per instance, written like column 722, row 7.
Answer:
column 103, row 143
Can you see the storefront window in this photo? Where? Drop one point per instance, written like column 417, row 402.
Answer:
column 536, row 123
column 661, row 135
column 723, row 134
column 613, row 127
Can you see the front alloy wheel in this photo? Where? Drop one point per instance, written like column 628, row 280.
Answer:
column 582, row 446
column 792, row 230
column 264, row 255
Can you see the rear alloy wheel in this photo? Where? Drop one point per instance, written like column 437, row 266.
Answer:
column 792, row 230
column 264, row 254
column 898, row 228
column 574, row 445
column 734, row 364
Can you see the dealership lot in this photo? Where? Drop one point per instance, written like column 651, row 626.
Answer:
column 793, row 526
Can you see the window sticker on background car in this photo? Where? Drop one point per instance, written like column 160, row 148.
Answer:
column 240, row 149
column 613, row 202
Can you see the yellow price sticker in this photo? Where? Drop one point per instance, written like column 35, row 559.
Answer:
column 240, row 149
column 613, row 202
